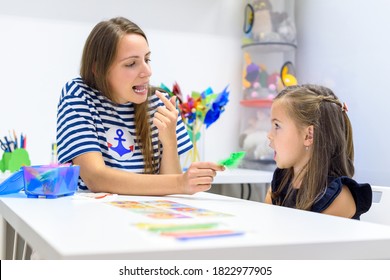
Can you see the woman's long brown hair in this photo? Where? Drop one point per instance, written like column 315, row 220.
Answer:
column 98, row 55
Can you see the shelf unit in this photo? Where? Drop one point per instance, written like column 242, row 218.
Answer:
column 263, row 59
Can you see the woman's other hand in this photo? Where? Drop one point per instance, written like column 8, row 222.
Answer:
column 199, row 176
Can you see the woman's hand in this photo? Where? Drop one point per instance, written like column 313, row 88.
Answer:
column 199, row 176
column 165, row 119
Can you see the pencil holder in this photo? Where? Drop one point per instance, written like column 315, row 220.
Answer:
column 14, row 160
column 4, row 161
column 50, row 181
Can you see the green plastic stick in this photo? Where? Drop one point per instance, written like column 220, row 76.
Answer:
column 234, row 160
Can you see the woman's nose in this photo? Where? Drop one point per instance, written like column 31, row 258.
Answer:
column 146, row 71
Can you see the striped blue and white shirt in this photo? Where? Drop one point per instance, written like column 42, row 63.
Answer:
column 89, row 122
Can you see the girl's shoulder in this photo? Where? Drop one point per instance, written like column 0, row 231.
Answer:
column 361, row 193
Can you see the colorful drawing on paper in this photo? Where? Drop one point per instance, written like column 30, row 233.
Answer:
column 165, row 209
column 190, row 231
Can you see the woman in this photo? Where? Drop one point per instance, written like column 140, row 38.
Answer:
column 124, row 134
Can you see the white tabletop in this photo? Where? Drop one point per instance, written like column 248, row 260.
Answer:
column 70, row 228
column 243, row 176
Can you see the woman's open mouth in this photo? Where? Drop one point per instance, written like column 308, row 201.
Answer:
column 142, row 89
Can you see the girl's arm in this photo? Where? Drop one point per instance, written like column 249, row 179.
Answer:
column 343, row 205
column 100, row 178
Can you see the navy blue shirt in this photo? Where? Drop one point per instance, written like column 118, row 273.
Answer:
column 88, row 122
column 361, row 193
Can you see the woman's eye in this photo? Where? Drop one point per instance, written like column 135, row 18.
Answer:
column 147, row 60
column 276, row 126
column 130, row 64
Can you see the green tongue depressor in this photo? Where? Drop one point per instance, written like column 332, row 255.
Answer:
column 233, row 160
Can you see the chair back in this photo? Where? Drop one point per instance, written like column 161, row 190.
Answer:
column 380, row 208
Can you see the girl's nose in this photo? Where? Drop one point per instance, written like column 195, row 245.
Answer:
column 269, row 135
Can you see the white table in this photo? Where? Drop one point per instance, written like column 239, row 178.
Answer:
column 66, row 228
column 244, row 177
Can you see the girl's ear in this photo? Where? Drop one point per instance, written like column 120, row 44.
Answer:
column 309, row 135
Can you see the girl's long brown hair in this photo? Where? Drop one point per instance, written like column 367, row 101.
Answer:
column 98, row 55
column 332, row 151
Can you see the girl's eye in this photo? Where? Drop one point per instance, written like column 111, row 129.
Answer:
column 147, row 60
column 130, row 64
column 277, row 126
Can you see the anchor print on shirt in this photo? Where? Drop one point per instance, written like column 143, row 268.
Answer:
column 120, row 143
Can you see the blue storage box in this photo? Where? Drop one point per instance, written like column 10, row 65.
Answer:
column 14, row 183
column 50, row 181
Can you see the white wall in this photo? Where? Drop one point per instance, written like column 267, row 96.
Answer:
column 341, row 44
column 345, row 45
column 196, row 43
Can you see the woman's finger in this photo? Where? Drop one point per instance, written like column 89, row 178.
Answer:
column 168, row 103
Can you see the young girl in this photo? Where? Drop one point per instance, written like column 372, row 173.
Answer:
column 312, row 138
column 124, row 134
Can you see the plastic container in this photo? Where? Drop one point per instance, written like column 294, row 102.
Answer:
column 269, row 22
column 261, row 72
column 11, row 183
column 50, row 181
